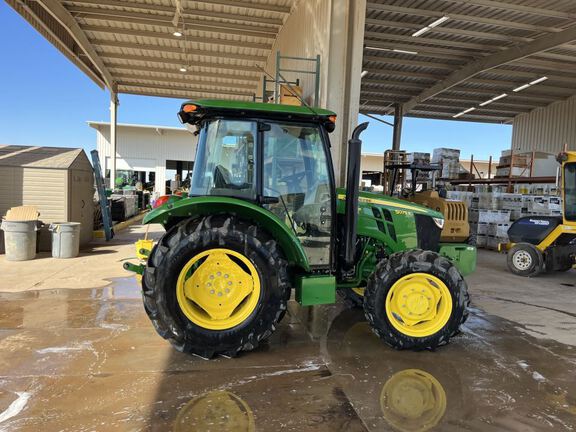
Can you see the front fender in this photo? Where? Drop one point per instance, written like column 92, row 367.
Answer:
column 192, row 207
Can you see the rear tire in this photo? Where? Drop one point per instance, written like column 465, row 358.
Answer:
column 190, row 239
column 524, row 259
column 444, row 295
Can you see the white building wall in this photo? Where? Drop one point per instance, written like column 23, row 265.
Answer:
column 145, row 148
column 334, row 29
column 546, row 129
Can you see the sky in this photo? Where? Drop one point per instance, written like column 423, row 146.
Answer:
column 45, row 100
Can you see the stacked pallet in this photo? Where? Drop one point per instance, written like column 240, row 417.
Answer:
column 449, row 160
column 490, row 214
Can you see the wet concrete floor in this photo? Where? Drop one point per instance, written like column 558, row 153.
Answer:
column 89, row 360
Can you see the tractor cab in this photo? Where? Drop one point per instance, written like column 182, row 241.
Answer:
column 281, row 164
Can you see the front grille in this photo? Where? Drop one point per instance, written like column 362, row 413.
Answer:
column 428, row 233
column 455, row 211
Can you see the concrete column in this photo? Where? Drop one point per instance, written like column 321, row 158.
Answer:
column 344, row 65
column 397, row 134
column 113, row 136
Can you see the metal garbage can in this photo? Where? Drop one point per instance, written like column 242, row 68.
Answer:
column 20, row 239
column 65, row 239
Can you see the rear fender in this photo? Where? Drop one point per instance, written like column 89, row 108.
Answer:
column 193, row 207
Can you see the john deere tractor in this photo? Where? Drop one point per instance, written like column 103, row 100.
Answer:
column 264, row 217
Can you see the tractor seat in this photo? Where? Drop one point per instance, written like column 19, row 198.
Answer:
column 533, row 229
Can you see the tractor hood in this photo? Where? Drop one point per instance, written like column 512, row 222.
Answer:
column 379, row 199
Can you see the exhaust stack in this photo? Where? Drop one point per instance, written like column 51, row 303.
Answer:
column 352, row 194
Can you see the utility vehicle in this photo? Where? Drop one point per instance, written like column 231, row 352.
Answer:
column 539, row 243
column 264, row 217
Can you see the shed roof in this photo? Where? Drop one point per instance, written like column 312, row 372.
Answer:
column 39, row 157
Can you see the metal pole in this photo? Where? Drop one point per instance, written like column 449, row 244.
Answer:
column 397, row 136
column 317, row 83
column 276, row 84
column 113, row 136
column 264, row 85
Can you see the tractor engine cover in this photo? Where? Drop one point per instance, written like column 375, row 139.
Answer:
column 533, row 229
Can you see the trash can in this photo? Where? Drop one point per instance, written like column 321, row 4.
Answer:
column 65, row 239
column 20, row 239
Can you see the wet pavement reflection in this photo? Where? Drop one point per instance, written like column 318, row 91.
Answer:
column 84, row 360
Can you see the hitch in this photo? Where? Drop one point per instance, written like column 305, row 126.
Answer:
column 136, row 268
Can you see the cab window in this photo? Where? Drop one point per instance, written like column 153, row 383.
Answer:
column 296, row 172
column 225, row 160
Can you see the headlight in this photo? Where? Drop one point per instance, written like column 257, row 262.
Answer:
column 439, row 222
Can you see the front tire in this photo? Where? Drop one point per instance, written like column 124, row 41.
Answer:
column 524, row 259
column 215, row 285
column 416, row 300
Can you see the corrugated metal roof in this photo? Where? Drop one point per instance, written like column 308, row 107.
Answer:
column 475, row 31
column 132, row 46
column 38, row 157
column 484, row 49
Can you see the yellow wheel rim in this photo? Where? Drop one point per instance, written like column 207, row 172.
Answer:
column 218, row 289
column 218, row 410
column 418, row 305
column 359, row 291
column 413, row 400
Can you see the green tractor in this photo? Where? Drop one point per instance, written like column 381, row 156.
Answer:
column 264, row 216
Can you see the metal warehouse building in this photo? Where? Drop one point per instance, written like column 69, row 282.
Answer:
column 147, row 149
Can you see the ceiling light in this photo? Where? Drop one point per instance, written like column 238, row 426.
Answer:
column 503, row 95
column 439, row 21
column 363, row 74
column 530, row 84
column 177, row 33
column 460, row 114
column 400, row 51
column 523, row 87
column 538, row 81
column 430, row 26
column 421, row 31
column 183, row 69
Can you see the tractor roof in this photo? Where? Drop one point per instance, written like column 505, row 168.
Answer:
column 208, row 107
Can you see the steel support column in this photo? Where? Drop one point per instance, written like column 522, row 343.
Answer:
column 397, row 135
column 113, row 136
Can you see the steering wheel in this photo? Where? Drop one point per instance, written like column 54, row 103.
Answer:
column 294, row 180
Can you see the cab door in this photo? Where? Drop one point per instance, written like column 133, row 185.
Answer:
column 296, row 169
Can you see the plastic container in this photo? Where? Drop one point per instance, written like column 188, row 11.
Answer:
column 20, row 239
column 65, row 239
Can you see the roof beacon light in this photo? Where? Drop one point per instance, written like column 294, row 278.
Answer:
column 189, row 108
column 430, row 26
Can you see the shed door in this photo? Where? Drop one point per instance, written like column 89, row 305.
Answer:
column 81, row 205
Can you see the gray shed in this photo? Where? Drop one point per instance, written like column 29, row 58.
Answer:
column 58, row 181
